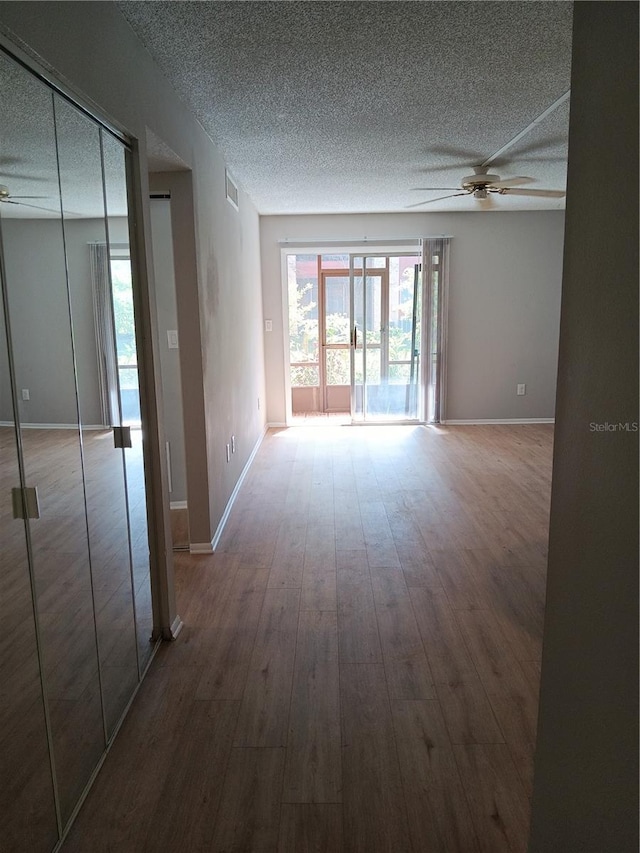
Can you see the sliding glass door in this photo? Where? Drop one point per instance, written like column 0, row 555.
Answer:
column 355, row 335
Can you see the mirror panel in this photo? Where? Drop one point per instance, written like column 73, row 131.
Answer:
column 75, row 595
column 128, row 370
column 43, row 356
column 87, row 253
column 27, row 807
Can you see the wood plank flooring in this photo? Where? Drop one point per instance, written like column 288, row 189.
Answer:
column 360, row 663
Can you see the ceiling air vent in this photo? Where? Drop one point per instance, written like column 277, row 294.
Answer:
column 231, row 190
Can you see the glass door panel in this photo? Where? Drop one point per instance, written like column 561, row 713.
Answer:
column 87, row 253
column 28, row 814
column 367, row 282
column 385, row 337
column 304, row 334
column 404, row 330
column 356, row 282
column 336, row 323
column 373, row 338
column 121, row 271
column 38, row 310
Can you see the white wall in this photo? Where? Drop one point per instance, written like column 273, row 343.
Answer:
column 169, row 358
column 91, row 48
column 504, row 302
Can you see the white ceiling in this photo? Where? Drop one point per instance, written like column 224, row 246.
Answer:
column 324, row 106
column 348, row 106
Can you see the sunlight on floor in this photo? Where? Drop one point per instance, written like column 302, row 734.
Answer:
column 373, row 435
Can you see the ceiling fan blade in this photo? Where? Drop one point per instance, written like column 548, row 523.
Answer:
column 542, row 193
column 455, row 153
column 513, row 182
column 29, row 196
column 436, row 189
column 23, row 176
column 431, row 200
column 34, row 206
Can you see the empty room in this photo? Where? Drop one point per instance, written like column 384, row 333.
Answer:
column 319, row 416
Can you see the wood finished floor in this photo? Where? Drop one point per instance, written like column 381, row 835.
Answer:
column 360, row 660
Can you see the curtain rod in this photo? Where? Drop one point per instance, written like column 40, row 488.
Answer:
column 358, row 241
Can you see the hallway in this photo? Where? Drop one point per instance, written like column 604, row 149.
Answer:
column 359, row 665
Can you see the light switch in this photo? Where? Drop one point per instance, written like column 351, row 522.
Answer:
column 172, row 338
column 268, row 325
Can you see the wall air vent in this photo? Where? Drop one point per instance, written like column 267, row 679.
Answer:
column 231, row 190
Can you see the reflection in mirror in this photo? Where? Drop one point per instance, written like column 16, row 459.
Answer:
column 123, row 301
column 43, row 357
column 79, row 157
column 27, row 809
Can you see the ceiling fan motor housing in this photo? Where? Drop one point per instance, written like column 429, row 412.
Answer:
column 474, row 182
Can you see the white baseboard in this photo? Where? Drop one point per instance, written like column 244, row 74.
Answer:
column 174, row 630
column 275, row 425
column 236, row 489
column 54, row 426
column 177, row 505
column 498, row 421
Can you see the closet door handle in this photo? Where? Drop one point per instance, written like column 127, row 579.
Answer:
column 25, row 502
column 122, row 436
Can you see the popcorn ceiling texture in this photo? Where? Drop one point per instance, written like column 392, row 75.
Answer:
column 28, row 161
column 345, row 106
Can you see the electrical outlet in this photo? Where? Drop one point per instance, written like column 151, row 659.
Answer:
column 25, row 394
column 521, row 390
column 233, row 444
column 228, row 453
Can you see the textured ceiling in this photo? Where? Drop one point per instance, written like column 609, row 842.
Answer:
column 348, row 106
column 41, row 175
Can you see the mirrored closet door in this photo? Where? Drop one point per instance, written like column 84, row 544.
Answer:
column 75, row 553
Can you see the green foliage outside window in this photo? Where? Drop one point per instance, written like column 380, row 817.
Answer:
column 304, row 339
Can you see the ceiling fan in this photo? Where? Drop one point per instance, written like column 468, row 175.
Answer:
column 482, row 183
column 7, row 198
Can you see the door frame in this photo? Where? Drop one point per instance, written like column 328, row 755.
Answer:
column 360, row 248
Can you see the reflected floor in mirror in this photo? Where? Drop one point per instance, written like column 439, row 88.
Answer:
column 359, row 665
column 68, row 597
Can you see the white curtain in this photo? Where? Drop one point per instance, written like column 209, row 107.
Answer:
column 105, row 335
column 435, row 253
